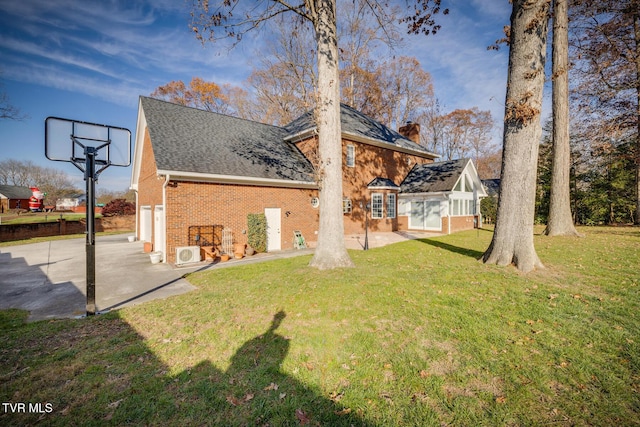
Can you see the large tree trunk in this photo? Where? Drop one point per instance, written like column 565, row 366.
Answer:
column 513, row 238
column 560, row 221
column 636, row 31
column 331, row 251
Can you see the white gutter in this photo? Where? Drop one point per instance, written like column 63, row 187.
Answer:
column 234, row 179
column 302, row 135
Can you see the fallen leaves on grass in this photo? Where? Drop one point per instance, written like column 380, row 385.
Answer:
column 303, row 417
column 115, row 404
column 387, row 396
column 335, row 397
column 237, row 402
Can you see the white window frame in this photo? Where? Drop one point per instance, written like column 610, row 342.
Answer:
column 391, row 205
column 377, row 206
column 351, row 156
column 461, row 206
column 346, row 205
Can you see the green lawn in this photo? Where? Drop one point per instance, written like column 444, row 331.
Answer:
column 418, row 334
column 36, row 217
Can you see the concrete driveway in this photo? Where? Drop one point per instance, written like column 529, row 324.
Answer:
column 49, row 279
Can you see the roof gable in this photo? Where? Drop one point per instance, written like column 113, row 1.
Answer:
column 189, row 140
column 382, row 183
column 434, row 177
column 356, row 124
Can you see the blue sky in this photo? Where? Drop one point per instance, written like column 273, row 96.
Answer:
column 90, row 60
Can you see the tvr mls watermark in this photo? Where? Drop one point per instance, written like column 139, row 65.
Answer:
column 27, row 408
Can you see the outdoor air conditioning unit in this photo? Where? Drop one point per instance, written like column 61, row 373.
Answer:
column 187, row 254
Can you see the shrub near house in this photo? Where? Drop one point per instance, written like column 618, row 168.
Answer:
column 118, row 207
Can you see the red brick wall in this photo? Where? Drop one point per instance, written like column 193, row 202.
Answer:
column 7, row 204
column 149, row 183
column 458, row 223
column 370, row 162
column 11, row 232
column 197, row 204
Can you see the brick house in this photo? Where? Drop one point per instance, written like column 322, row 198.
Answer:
column 194, row 169
column 14, row 197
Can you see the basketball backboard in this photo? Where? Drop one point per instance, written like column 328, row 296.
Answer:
column 66, row 141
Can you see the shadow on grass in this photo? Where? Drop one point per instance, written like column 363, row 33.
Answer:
column 100, row 371
column 451, row 248
column 622, row 230
column 456, row 249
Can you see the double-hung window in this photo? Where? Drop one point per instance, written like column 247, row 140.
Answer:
column 376, row 205
column 391, row 205
column 351, row 155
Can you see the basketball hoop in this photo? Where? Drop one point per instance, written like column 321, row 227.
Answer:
column 86, row 145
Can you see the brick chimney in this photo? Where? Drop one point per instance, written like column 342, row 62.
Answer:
column 411, row 131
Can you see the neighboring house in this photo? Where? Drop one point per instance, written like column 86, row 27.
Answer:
column 491, row 187
column 490, row 204
column 195, row 169
column 70, row 203
column 14, row 197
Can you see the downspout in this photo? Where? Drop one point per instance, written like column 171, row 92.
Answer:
column 448, row 214
column 137, row 215
column 167, row 178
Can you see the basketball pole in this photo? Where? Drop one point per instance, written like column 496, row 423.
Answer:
column 90, row 178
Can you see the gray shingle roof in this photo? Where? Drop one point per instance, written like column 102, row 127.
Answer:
column 186, row 139
column 433, row 177
column 380, row 182
column 356, row 123
column 492, row 186
column 15, row 192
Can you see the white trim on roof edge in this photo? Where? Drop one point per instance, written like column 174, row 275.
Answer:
column 384, row 144
column 300, row 136
column 233, row 179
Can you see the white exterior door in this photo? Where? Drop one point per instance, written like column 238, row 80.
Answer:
column 432, row 215
column 145, row 224
column 273, row 229
column 425, row 215
column 159, row 232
